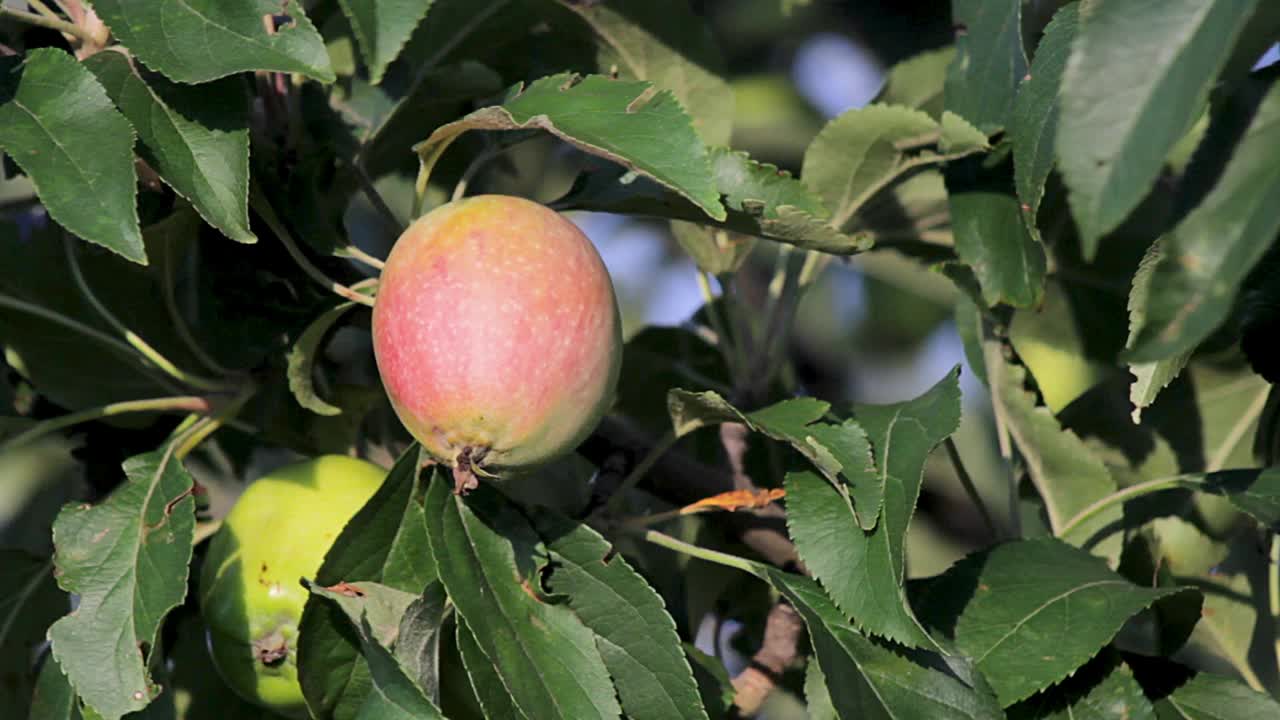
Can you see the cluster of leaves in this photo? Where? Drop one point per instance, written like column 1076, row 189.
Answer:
column 1112, row 199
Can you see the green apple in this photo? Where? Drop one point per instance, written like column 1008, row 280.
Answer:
column 251, row 597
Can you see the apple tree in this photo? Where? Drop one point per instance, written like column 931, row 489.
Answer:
column 241, row 237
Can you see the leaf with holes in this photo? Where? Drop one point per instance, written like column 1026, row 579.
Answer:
column 196, row 41
column 59, row 126
column 127, row 558
column 631, row 123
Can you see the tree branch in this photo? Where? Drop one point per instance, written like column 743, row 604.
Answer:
column 782, row 631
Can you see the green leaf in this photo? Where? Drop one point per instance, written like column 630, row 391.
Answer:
column 630, row 123
column 918, row 82
column 375, row 611
column 1212, row 697
column 385, row 542
column 197, row 139
column 486, row 554
column 989, row 61
column 816, row 696
column 1103, row 689
column 54, row 698
column 1030, row 612
column 1034, row 125
column 59, row 126
column 1136, row 80
column 418, row 643
column 990, row 236
column 665, row 43
column 878, row 682
column 196, row 41
column 840, row 452
column 714, row 686
column 634, row 633
column 761, row 200
column 1066, row 474
column 127, row 558
column 382, row 27
column 862, row 151
column 1210, row 252
column 29, row 603
column 302, row 357
column 1149, row 378
column 485, row 681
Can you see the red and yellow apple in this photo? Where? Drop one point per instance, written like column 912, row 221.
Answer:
column 497, row 334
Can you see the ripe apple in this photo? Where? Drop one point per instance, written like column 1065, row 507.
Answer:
column 250, row 595
column 497, row 334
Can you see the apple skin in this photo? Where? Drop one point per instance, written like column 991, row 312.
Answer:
column 497, row 334
column 250, row 595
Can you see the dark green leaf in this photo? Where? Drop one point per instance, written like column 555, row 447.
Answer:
column 127, row 558
column 486, row 555
column 902, row 436
column 375, row 611
column 630, row 123
column 302, row 357
column 1136, row 80
column 382, row 27
column 761, row 200
column 1103, row 689
column 418, row 645
column 197, row 41
column 435, row 98
column 878, row 682
column 58, row 124
column 1211, row 697
column 1034, row 125
column 197, row 139
column 54, row 699
column 394, row 695
column 989, row 62
column 1030, row 612
column 838, row 451
column 714, row 686
column 1209, row 253
column 634, row 633
column 385, row 542
column 990, row 235
column 488, row 687
column 29, row 602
